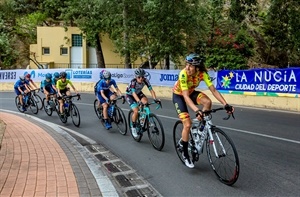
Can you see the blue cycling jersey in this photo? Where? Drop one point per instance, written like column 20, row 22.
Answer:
column 102, row 85
column 21, row 84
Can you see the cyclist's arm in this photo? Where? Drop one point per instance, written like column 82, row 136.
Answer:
column 103, row 95
column 31, row 82
column 118, row 91
column 153, row 94
column 71, row 84
column 58, row 89
column 217, row 94
column 135, row 96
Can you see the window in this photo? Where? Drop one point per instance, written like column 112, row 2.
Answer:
column 46, row 50
column 63, row 51
column 76, row 40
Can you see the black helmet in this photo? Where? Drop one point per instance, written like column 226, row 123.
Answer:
column 195, row 59
column 63, row 74
column 139, row 72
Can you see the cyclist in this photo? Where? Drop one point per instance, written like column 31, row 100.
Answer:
column 21, row 88
column 104, row 94
column 61, row 86
column 184, row 94
column 55, row 78
column 95, row 86
column 30, row 81
column 135, row 97
column 48, row 86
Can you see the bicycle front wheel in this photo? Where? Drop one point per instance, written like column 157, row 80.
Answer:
column 47, row 107
column 225, row 161
column 156, row 132
column 120, row 121
column 18, row 104
column 33, row 106
column 75, row 115
column 38, row 101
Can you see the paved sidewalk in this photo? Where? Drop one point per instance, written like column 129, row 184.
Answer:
column 33, row 163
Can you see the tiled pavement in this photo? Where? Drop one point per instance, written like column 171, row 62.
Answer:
column 39, row 158
column 33, row 163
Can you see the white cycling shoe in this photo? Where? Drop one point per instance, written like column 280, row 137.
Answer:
column 187, row 162
column 134, row 132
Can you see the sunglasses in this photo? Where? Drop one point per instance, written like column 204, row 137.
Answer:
column 107, row 79
column 141, row 77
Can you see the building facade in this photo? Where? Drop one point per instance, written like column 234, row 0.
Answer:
column 59, row 47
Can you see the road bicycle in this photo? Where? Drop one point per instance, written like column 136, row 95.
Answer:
column 28, row 102
column 221, row 152
column 52, row 106
column 149, row 122
column 70, row 109
column 115, row 113
column 37, row 98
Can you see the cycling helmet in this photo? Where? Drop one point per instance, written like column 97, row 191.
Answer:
column 48, row 76
column 101, row 74
column 63, row 74
column 139, row 72
column 106, row 75
column 56, row 75
column 22, row 78
column 195, row 59
column 28, row 75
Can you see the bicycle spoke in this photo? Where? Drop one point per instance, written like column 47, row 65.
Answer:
column 74, row 112
column 156, row 132
column 224, row 161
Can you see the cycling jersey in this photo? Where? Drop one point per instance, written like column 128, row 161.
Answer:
column 62, row 85
column 190, row 83
column 20, row 84
column 102, row 85
column 136, row 87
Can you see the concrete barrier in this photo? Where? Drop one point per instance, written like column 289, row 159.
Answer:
column 282, row 103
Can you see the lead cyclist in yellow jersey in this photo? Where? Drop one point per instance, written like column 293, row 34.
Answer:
column 61, row 86
column 184, row 94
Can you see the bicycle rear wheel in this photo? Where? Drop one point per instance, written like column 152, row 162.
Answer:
column 18, row 104
column 156, row 132
column 120, row 121
column 75, row 115
column 33, row 106
column 47, row 107
column 97, row 111
column 140, row 135
column 226, row 163
column 177, row 130
column 38, row 101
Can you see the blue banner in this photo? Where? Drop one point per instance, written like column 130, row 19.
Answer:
column 260, row 80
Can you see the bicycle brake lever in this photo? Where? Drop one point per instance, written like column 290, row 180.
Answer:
column 226, row 118
column 232, row 116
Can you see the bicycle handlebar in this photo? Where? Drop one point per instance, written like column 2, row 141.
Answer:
column 208, row 112
column 159, row 105
column 118, row 98
column 71, row 96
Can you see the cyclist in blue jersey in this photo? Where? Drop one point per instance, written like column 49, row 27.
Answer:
column 48, row 86
column 104, row 94
column 55, row 78
column 21, row 88
column 135, row 97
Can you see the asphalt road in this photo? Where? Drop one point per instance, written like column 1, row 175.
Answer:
column 267, row 141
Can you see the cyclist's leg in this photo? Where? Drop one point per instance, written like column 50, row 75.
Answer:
column 112, row 95
column 104, row 109
column 143, row 97
column 199, row 98
column 182, row 111
column 98, row 98
column 61, row 102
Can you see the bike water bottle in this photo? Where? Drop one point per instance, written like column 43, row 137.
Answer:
column 142, row 118
column 111, row 110
column 195, row 125
column 66, row 105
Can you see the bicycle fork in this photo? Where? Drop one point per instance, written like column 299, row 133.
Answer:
column 212, row 142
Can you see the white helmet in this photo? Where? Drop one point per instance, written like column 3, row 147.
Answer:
column 106, row 74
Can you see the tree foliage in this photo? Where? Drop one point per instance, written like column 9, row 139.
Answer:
column 229, row 33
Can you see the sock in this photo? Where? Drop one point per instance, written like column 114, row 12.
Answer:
column 133, row 124
column 185, row 149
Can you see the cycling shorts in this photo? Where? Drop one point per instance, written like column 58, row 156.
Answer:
column 63, row 92
column 50, row 89
column 18, row 92
column 131, row 101
column 181, row 106
column 107, row 93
